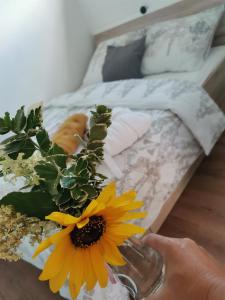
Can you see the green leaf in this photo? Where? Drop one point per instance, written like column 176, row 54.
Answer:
column 14, row 138
column 80, row 196
column 101, row 115
column 5, row 124
column 43, row 141
column 82, row 180
column 76, row 193
column 19, row 143
column 92, row 193
column 3, row 128
column 94, row 145
column 47, row 171
column 84, row 173
column 32, row 204
column 19, row 122
column 7, row 120
column 34, row 119
column 52, row 186
column 81, row 165
column 102, row 109
column 62, row 197
column 68, row 182
column 98, row 132
column 103, row 177
column 58, row 155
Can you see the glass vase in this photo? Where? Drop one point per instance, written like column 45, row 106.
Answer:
column 144, row 272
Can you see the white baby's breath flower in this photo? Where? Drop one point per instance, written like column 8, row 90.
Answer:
column 15, row 226
column 12, row 169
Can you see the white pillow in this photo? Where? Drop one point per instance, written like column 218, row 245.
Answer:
column 182, row 44
column 94, row 72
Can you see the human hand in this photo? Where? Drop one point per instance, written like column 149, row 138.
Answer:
column 191, row 273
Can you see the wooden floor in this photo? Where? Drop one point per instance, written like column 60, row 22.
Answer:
column 199, row 214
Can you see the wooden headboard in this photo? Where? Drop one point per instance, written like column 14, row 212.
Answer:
column 178, row 10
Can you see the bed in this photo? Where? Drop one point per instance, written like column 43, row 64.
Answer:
column 160, row 164
column 205, row 77
column 211, row 77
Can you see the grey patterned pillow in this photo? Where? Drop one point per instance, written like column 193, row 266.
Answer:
column 182, row 44
column 124, row 62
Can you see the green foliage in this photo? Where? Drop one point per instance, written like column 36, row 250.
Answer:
column 81, row 179
column 43, row 141
column 32, row 204
column 62, row 188
column 34, row 119
column 23, row 127
column 19, row 122
column 47, row 171
column 57, row 155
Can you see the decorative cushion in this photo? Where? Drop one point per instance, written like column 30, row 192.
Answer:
column 94, row 72
column 124, row 62
column 182, row 44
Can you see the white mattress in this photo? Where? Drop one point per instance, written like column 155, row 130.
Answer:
column 217, row 55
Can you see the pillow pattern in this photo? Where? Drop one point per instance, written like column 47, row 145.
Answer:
column 182, row 44
column 124, row 62
column 94, row 71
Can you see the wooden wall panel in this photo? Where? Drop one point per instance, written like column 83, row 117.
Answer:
column 178, row 10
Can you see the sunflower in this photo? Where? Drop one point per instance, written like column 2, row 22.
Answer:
column 87, row 244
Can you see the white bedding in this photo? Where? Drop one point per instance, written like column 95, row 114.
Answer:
column 184, row 122
column 216, row 57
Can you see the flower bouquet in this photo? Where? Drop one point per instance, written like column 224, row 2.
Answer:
column 64, row 203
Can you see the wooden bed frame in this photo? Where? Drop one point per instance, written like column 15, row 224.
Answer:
column 214, row 84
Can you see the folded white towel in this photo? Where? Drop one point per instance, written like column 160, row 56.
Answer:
column 126, row 128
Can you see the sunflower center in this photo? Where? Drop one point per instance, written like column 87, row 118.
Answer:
column 90, row 233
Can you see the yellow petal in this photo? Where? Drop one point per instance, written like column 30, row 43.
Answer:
column 77, row 272
column 99, row 265
column 89, row 210
column 108, row 193
column 125, row 229
column 115, row 238
column 62, row 219
column 98, row 209
column 82, row 223
column 54, row 239
column 132, row 205
column 74, row 291
column 56, row 259
column 111, row 214
column 89, row 272
column 43, row 245
column 57, row 282
column 93, row 208
column 133, row 215
column 127, row 197
column 111, row 253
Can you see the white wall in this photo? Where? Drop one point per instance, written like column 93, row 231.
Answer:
column 45, row 46
column 105, row 14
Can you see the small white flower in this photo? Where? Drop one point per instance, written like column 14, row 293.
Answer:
column 12, row 169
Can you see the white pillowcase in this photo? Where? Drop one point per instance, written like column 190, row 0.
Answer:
column 94, row 72
column 181, row 45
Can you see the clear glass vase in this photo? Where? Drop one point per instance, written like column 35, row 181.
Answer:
column 144, row 272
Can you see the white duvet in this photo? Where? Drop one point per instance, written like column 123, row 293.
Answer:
column 184, row 121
